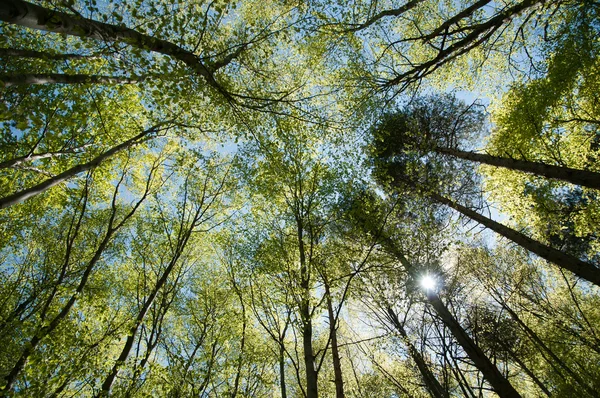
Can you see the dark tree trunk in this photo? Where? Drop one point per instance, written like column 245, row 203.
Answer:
column 580, row 268
column 306, row 316
column 584, row 178
column 282, row 370
column 21, row 53
column 431, row 382
column 56, row 78
column 337, row 366
column 498, row 382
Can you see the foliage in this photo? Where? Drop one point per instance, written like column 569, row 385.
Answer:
column 240, row 198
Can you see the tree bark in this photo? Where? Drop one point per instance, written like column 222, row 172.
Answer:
column 306, row 317
column 39, row 18
column 8, row 80
column 337, row 366
column 18, row 161
column 25, row 194
column 282, row 370
column 580, row 268
column 584, row 178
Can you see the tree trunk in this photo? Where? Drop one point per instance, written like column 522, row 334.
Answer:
column 282, row 370
column 498, row 382
column 337, row 366
column 39, row 18
column 431, row 382
column 56, row 78
column 584, row 178
column 306, row 317
column 25, row 194
column 580, row 268
column 18, row 161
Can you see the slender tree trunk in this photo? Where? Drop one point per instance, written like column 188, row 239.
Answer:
column 580, row 268
column 109, row 380
column 282, row 370
column 36, row 17
column 236, row 383
column 21, row 53
column 498, row 382
column 433, row 385
column 9, row 80
column 584, row 178
column 306, row 316
column 53, row 324
column 337, row 366
column 25, row 194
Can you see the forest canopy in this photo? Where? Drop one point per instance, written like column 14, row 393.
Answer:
column 392, row 198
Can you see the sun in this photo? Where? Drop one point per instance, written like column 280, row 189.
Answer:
column 428, row 282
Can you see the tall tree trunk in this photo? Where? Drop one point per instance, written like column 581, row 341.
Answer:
column 431, row 382
column 578, row 177
column 498, row 382
column 238, row 375
column 306, row 317
column 43, row 186
column 580, row 268
column 16, row 162
column 36, row 17
column 282, row 370
column 8, row 80
column 337, row 366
